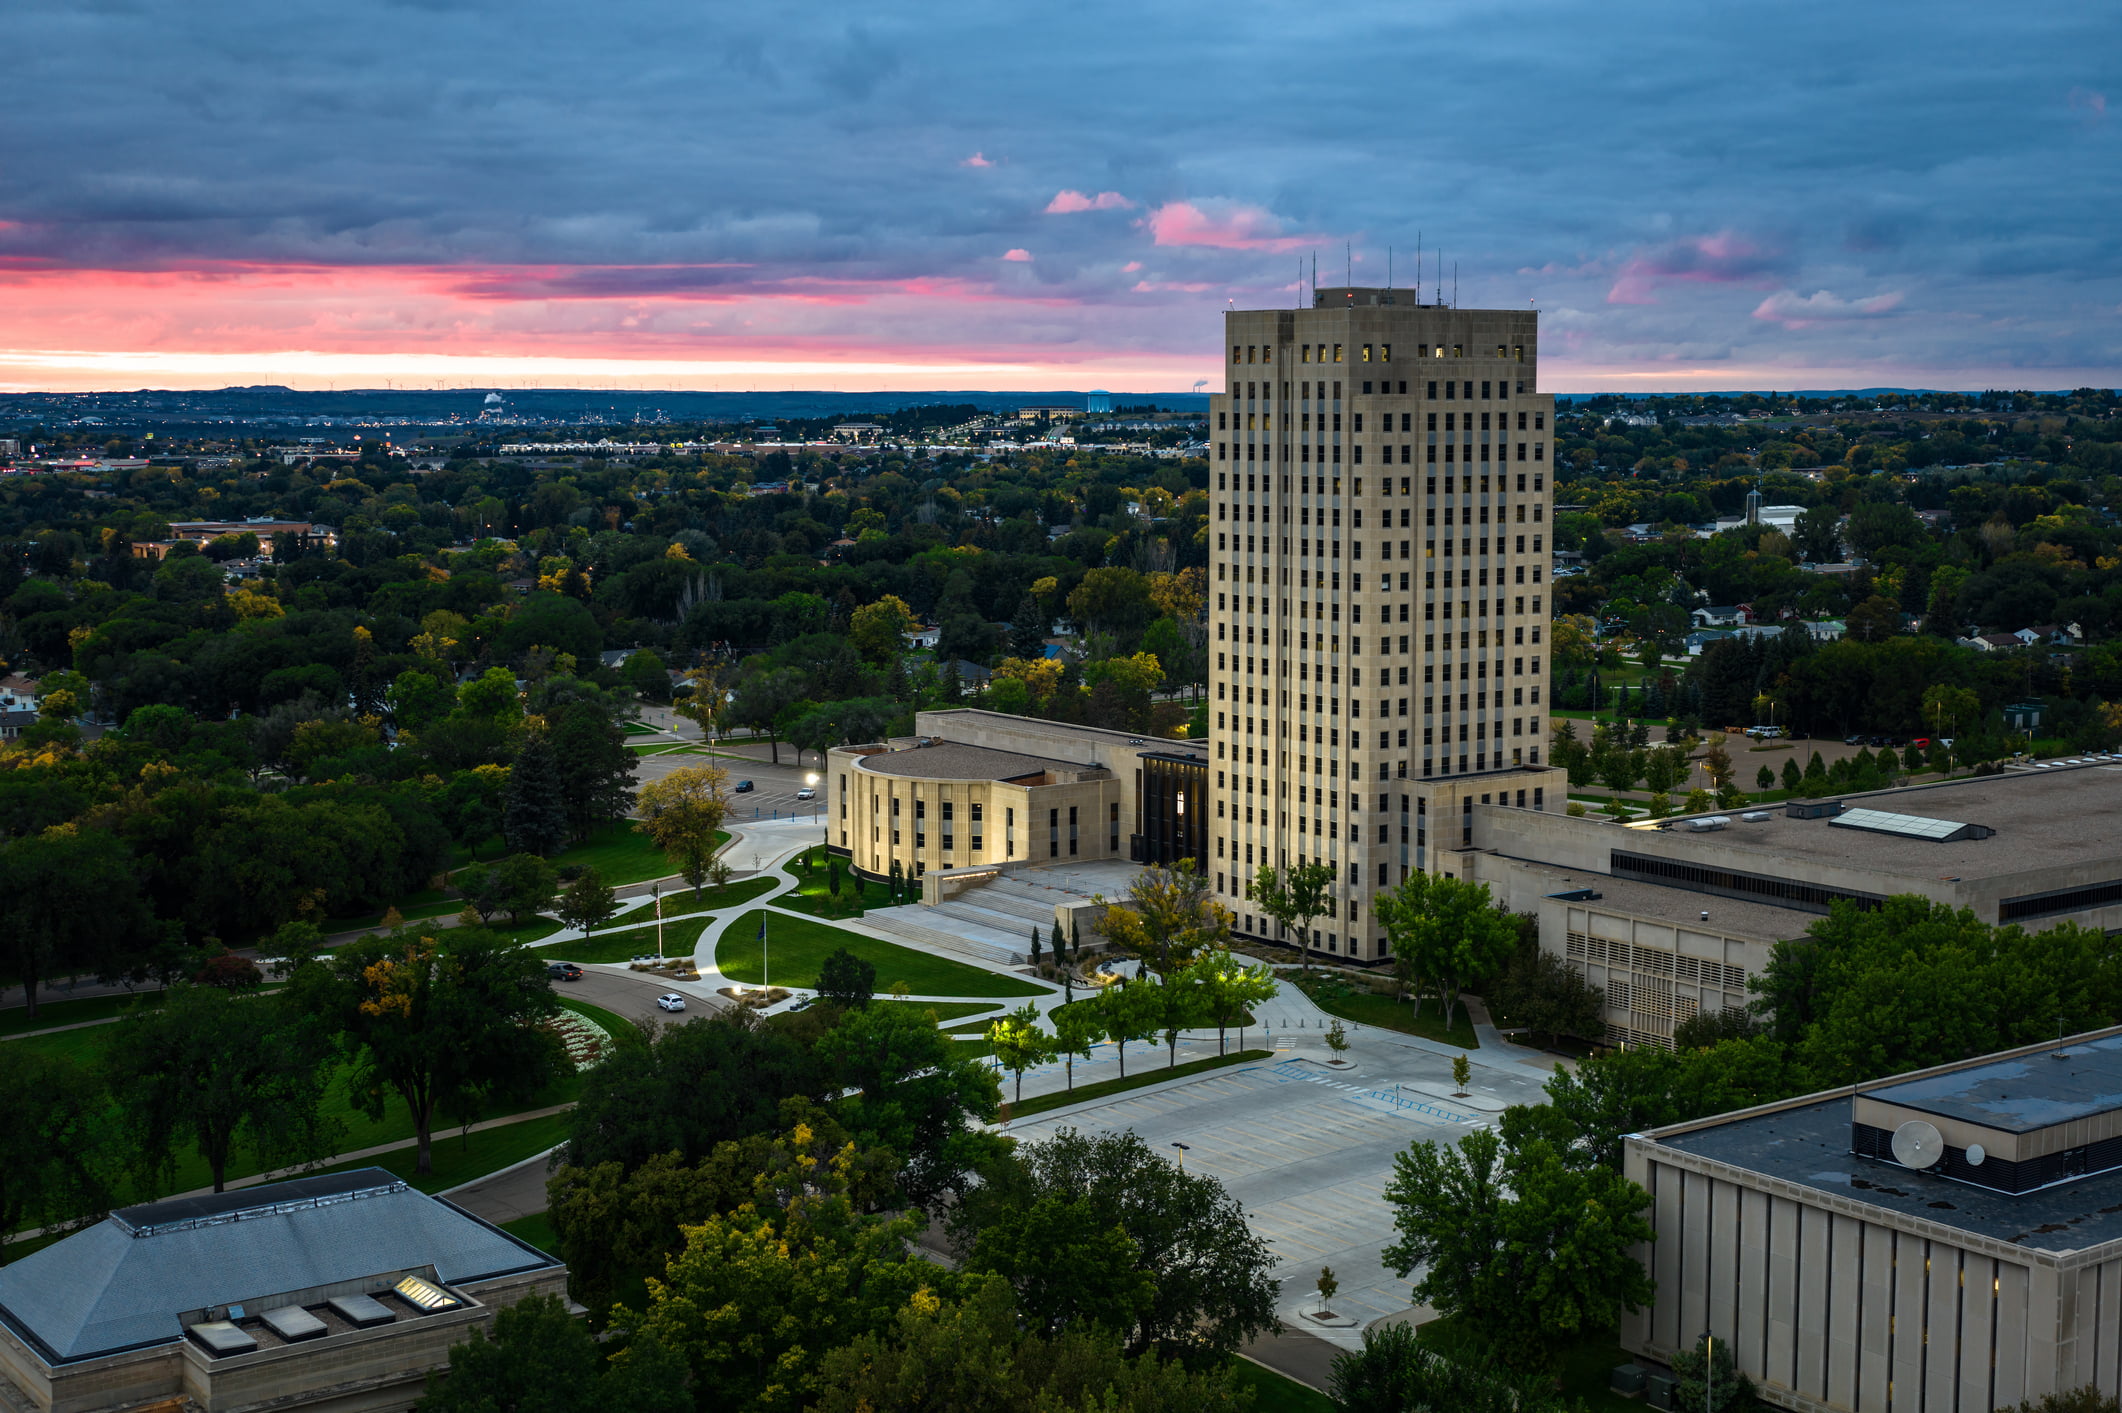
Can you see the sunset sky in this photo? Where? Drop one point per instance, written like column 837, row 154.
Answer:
column 959, row 195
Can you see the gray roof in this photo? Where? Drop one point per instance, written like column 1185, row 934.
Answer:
column 122, row 1283
column 954, row 761
column 2024, row 1094
column 1809, row 1145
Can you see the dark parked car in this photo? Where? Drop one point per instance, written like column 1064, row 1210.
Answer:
column 743, row 787
column 564, row 971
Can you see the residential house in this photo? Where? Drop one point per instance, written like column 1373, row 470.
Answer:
column 1724, row 616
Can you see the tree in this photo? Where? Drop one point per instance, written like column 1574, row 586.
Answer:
column 596, row 770
column 1710, row 1379
column 534, row 812
column 1169, row 918
column 1328, row 1286
column 846, row 980
column 1462, row 1072
column 1515, row 1243
column 1717, row 764
column 974, row 1353
column 1018, row 1042
column 1445, row 931
column 768, row 699
column 55, row 1148
column 1076, row 1029
column 1294, row 897
column 520, row 885
column 1228, row 988
column 907, row 1087
column 587, row 902
column 1764, row 779
column 683, row 814
column 1545, row 995
column 688, row 1089
column 446, row 1025
column 1036, row 1221
column 1128, row 1011
column 1028, row 629
column 211, row 1067
column 70, row 901
column 541, row 1357
column 878, row 630
column 759, row 1293
column 1394, row 1372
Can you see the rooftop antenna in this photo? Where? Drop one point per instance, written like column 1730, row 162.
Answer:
column 1348, row 254
column 1388, row 267
column 1418, row 269
column 1455, row 284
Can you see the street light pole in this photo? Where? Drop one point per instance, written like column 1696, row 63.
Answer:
column 656, row 891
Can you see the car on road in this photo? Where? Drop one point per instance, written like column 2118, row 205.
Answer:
column 742, row 787
column 806, row 793
column 670, row 1001
column 564, row 971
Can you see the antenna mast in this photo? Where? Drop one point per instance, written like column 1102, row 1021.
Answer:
column 1418, row 269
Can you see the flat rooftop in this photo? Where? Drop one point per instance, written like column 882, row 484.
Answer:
column 1809, row 1146
column 1729, row 917
column 2042, row 819
column 2023, row 1094
column 952, row 760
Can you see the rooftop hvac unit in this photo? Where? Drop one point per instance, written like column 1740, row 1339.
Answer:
column 1715, row 821
column 1756, row 816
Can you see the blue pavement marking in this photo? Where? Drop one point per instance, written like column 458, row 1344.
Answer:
column 1288, row 1071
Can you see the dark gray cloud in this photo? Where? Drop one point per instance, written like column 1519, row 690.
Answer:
column 1656, row 175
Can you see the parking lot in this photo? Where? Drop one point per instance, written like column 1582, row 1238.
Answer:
column 1308, row 1151
column 774, row 787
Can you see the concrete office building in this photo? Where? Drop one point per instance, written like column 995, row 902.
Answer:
column 1379, row 473
column 1676, row 916
column 980, row 787
column 341, row 1292
column 1948, row 1241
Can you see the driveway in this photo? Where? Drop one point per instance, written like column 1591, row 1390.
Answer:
column 633, row 996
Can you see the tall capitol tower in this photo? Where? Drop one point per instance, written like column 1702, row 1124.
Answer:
column 1378, row 597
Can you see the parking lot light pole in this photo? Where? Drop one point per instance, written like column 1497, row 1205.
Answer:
column 655, row 891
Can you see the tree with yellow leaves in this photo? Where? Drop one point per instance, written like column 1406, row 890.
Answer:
column 1167, row 919
column 682, row 813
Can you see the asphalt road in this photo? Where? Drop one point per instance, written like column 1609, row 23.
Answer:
column 624, row 993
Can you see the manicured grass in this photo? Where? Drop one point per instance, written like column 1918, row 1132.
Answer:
column 683, row 904
column 811, row 895
column 429, row 902
column 536, row 929
column 537, row 1229
column 679, row 940
column 620, row 854
column 1365, row 1007
column 460, row 1157
column 1040, row 1103
column 1273, row 1393
column 1583, row 1365
column 17, row 1019
column 797, row 945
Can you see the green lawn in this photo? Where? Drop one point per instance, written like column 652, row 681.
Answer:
column 952, row 1010
column 1365, row 1007
column 620, row 854
column 1273, row 1393
column 811, row 896
column 1584, row 1365
column 1040, row 1103
column 17, row 1019
column 683, row 904
column 424, row 904
column 460, row 1157
column 679, row 939
column 537, row 1229
column 796, row 945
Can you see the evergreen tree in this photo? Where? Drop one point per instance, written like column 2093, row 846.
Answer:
column 534, row 811
column 1027, row 631
column 1792, row 776
column 595, row 767
column 1035, row 947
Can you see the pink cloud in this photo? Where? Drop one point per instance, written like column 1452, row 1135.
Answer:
column 1130, row 267
column 1723, row 258
column 1020, row 254
column 978, row 159
column 1785, row 307
column 1065, row 202
column 1223, row 225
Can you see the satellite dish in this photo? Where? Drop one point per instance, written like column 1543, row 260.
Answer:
column 1918, row 1144
column 1975, row 1155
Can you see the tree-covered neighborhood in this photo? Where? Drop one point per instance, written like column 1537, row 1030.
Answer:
column 306, row 828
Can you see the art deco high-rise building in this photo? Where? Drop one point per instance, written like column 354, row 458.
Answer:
column 1379, row 596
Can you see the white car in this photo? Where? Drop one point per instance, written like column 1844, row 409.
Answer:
column 806, row 793
column 670, row 1001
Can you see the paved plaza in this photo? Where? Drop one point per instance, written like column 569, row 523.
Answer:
column 1308, row 1150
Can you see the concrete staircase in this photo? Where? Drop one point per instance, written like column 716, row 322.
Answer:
column 912, row 924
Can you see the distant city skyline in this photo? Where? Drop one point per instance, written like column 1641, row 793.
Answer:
column 875, row 200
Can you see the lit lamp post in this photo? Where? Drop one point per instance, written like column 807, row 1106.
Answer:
column 655, row 890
